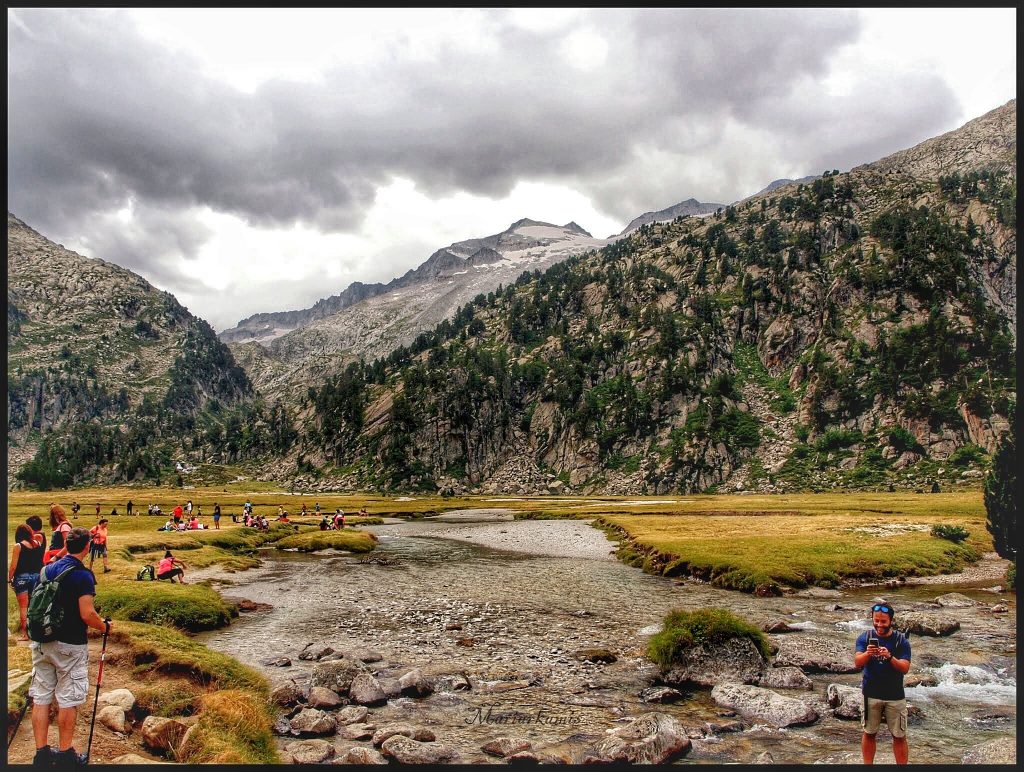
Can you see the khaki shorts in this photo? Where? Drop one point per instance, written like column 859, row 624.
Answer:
column 895, row 712
column 59, row 670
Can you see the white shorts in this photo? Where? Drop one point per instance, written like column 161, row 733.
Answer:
column 59, row 670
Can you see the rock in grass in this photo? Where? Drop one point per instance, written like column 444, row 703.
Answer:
column 764, row 705
column 653, row 738
column 113, row 718
column 310, row 751
column 162, row 734
column 405, row 750
column 123, row 698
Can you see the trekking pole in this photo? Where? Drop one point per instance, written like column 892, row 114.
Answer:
column 99, row 680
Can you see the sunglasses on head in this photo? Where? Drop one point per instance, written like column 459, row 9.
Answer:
column 881, row 607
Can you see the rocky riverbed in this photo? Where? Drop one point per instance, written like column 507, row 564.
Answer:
column 505, row 637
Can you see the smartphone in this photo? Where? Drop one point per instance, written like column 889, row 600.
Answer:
column 872, row 641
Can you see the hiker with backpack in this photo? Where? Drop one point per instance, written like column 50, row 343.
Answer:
column 59, row 611
column 23, row 576
column 884, row 654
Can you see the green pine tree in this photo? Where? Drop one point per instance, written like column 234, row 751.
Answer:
column 1001, row 495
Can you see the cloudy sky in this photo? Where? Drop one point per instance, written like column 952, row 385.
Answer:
column 258, row 160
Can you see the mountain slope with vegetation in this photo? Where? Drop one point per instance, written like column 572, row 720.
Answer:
column 862, row 326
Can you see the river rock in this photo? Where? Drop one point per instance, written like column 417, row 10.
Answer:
column 1000, row 608
column 113, row 718
column 738, row 659
column 602, row 656
column 365, row 690
column 652, row 738
column 405, row 750
column 816, row 654
column 287, row 693
column 723, row 727
column 928, row 624
column 323, row 698
column 309, row 751
column 415, row 684
column 315, row 651
column 785, row 678
column 278, row 662
column 312, row 721
column 452, row 683
column 337, row 674
column 162, row 734
column 847, row 701
column 360, row 755
column 920, row 679
column 506, row 746
column 358, row 731
column 777, row 626
column 353, row 714
column 123, row 698
column 1002, row 750
column 406, row 730
column 764, row 705
column 954, row 600
column 661, row 694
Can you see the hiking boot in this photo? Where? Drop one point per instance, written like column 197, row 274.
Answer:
column 44, row 757
column 106, row 570
column 69, row 758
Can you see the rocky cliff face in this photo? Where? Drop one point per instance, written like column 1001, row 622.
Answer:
column 688, row 208
column 91, row 343
column 853, row 332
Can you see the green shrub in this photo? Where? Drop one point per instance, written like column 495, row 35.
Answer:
column 1011, row 576
column 1001, row 496
column 311, row 541
column 967, row 455
column 704, row 627
column 953, row 533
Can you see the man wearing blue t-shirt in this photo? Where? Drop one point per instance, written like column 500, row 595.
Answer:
column 884, row 655
column 61, row 667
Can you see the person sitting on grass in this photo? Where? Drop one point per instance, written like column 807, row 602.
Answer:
column 171, row 567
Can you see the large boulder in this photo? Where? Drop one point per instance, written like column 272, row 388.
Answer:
column 357, row 731
column 288, row 693
column 113, row 718
column 309, row 751
column 927, row 624
column 323, row 698
column 415, row 684
column 365, row 690
column 405, row 750
column 764, row 705
column 815, row 654
column 653, row 738
column 123, row 698
column 954, row 600
column 336, row 674
column 353, row 714
column 785, row 678
column 738, row 659
column 846, row 701
column 1002, row 750
column 162, row 734
column 312, row 721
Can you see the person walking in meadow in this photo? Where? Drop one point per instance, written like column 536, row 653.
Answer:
column 99, row 544
column 23, row 575
column 74, row 509
column 97, row 509
column 61, row 667
column 884, row 655
column 128, row 507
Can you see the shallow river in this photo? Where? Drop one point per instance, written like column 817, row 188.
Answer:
column 511, row 624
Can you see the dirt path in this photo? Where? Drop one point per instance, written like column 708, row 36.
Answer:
column 106, row 744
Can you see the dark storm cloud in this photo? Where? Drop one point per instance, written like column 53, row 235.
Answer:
column 99, row 117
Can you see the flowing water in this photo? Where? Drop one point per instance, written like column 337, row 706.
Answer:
column 511, row 624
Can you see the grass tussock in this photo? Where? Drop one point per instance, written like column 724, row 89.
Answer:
column 178, row 697
column 233, row 728
column 704, row 627
column 192, row 607
column 153, row 648
column 18, row 658
column 311, row 541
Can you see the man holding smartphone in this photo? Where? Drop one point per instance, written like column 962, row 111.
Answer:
column 884, row 656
